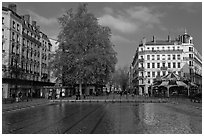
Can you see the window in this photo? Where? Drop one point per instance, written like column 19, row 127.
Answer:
column 14, row 24
column 157, row 48
column 179, row 65
column 173, row 48
column 158, row 73
column 163, row 57
column 152, row 65
column 17, row 49
column 148, row 74
column 179, row 73
column 174, row 65
column 148, row 65
column 158, row 65
column 152, row 57
column 178, row 57
column 148, row 57
column 158, row 57
column 2, row 20
column 142, row 74
column 12, row 48
column 169, row 57
column 162, row 48
column 2, row 33
column 168, row 48
column 142, row 81
column 190, row 48
column 153, row 74
column 152, row 48
column 163, row 64
column 169, row 65
column 3, row 43
column 24, row 41
column 148, row 81
column 190, row 55
column 18, row 27
column 13, row 36
column 18, row 38
column 190, row 63
column 174, row 57
column 163, row 73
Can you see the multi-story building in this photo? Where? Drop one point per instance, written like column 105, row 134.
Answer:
column 158, row 57
column 26, row 52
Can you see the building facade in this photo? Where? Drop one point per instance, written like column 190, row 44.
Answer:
column 158, row 57
column 25, row 54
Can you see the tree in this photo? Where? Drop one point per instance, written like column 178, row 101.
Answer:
column 15, row 69
column 85, row 54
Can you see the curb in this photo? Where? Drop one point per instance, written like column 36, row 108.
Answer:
column 110, row 101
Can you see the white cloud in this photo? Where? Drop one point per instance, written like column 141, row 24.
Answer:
column 118, row 23
column 189, row 7
column 144, row 14
column 125, row 49
column 108, row 10
column 131, row 20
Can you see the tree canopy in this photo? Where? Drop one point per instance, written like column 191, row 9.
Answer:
column 85, row 54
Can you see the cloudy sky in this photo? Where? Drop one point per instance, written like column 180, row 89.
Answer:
column 129, row 22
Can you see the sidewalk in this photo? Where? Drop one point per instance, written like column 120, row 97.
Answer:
column 24, row 104
column 113, row 98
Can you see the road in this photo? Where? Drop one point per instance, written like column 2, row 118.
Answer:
column 104, row 118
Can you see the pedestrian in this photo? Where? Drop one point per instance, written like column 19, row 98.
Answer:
column 27, row 96
column 20, row 96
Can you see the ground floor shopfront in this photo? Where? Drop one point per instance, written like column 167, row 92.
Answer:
column 165, row 91
column 12, row 88
column 54, row 92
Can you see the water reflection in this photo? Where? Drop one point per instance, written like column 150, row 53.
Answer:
column 99, row 118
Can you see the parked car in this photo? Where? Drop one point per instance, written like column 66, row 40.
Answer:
column 196, row 97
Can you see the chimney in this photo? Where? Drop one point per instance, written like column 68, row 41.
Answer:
column 33, row 23
column 12, row 7
column 38, row 28
column 169, row 38
column 144, row 41
column 154, row 39
column 27, row 18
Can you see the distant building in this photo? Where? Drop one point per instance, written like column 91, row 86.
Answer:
column 26, row 52
column 158, row 57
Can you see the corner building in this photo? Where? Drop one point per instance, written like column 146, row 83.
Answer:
column 158, row 57
column 25, row 55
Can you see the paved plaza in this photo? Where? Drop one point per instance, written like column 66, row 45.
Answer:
column 45, row 116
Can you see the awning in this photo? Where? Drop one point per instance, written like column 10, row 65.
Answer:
column 180, row 83
column 164, row 83
column 192, row 84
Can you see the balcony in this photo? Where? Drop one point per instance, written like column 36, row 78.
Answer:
column 141, row 68
column 160, row 51
column 141, row 60
column 163, row 68
column 140, row 77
